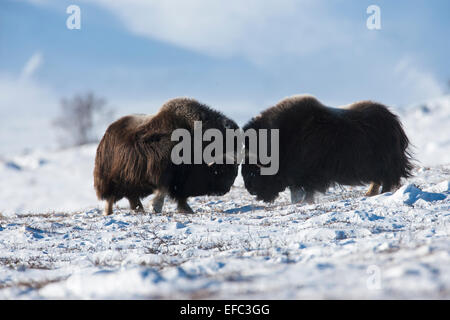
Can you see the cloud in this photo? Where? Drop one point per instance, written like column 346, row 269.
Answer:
column 36, row 2
column 32, row 65
column 26, row 109
column 418, row 84
column 254, row 29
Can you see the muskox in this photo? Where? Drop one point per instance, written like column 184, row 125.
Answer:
column 322, row 146
column 133, row 158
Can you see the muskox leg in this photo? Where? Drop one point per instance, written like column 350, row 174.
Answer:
column 387, row 187
column 373, row 189
column 136, row 204
column 300, row 195
column 109, row 206
column 158, row 202
column 309, row 198
column 297, row 194
column 183, row 207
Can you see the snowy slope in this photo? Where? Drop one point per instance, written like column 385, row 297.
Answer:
column 428, row 127
column 48, row 181
column 54, row 242
column 345, row 246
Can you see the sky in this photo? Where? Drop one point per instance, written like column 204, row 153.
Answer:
column 237, row 56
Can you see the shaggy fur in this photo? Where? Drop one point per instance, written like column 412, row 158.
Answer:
column 320, row 146
column 133, row 158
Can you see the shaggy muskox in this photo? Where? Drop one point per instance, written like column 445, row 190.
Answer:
column 321, row 146
column 134, row 158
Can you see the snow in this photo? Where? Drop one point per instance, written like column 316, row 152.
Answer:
column 428, row 127
column 42, row 181
column 55, row 243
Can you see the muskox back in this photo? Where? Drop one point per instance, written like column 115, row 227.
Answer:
column 134, row 158
column 320, row 146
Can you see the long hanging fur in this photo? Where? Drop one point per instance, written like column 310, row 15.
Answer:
column 133, row 157
column 320, row 146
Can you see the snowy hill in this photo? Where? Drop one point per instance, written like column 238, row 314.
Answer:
column 428, row 127
column 345, row 246
column 54, row 242
column 48, row 181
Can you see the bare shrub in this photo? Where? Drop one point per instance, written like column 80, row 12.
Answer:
column 80, row 117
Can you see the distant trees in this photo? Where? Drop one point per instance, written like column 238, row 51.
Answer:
column 80, row 119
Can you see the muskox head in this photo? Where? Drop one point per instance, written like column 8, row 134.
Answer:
column 264, row 187
column 223, row 169
column 205, row 164
column 260, row 167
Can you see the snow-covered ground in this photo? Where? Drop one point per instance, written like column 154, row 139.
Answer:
column 428, row 127
column 54, row 242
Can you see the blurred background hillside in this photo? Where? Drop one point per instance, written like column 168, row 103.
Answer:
column 237, row 57
column 61, row 87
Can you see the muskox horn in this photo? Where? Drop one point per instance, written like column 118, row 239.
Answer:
column 233, row 158
column 251, row 155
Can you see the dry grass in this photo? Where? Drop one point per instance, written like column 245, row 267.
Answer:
column 31, row 284
column 35, row 262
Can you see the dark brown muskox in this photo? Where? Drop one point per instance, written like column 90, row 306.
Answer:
column 134, row 158
column 320, row 146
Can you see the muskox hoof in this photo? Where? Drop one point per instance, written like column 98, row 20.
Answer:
column 157, row 208
column 139, row 210
column 108, row 207
column 389, row 188
column 183, row 207
column 136, row 205
column 309, row 198
column 187, row 210
column 374, row 189
column 297, row 194
column 158, row 202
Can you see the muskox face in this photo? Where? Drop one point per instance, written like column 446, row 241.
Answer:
column 223, row 176
column 259, row 181
column 218, row 167
column 264, row 187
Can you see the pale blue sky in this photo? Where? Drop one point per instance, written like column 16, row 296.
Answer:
column 237, row 56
